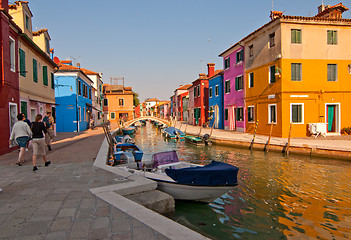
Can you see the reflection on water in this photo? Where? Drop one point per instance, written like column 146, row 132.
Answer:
column 277, row 197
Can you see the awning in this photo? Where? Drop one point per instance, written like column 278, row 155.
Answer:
column 89, row 105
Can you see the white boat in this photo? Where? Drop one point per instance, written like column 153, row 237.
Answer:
column 188, row 181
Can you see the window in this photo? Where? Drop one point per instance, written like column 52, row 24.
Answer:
column 198, row 90
column 194, row 92
column 226, row 114
column 272, row 113
column 12, row 55
column 47, row 46
column 239, row 83
column 296, row 113
column 90, row 93
column 27, row 22
column 216, row 90
column 239, row 56
column 296, row 72
column 35, row 70
column 272, row 74
column 296, row 36
column 79, row 88
column 251, row 80
column 272, row 40
column 105, row 102
column 332, row 72
column 227, row 63
column 210, row 92
column 227, row 86
column 22, row 56
column 121, row 102
column 240, row 114
column 251, row 50
column 250, row 114
column 45, row 75
column 84, row 119
column 52, row 81
column 349, row 68
column 332, row 37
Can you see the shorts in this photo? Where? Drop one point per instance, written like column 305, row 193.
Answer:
column 38, row 146
column 22, row 141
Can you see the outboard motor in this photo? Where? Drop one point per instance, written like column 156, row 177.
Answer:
column 206, row 138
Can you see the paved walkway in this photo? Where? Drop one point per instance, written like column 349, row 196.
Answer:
column 55, row 202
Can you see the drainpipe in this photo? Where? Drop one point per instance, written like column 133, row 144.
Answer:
column 77, row 114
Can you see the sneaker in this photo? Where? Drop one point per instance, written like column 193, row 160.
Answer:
column 26, row 150
column 47, row 163
column 35, row 168
column 49, row 147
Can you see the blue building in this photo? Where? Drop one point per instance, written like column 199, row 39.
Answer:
column 73, row 96
column 215, row 100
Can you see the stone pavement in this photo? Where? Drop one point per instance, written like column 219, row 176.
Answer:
column 55, row 202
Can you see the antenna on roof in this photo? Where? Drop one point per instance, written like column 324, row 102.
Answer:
column 272, row 5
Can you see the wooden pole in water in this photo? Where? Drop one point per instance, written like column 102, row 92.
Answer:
column 288, row 146
column 253, row 139
column 186, row 126
column 269, row 138
column 213, row 125
column 200, row 131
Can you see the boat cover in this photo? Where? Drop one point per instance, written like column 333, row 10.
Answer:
column 213, row 174
column 164, row 158
column 173, row 131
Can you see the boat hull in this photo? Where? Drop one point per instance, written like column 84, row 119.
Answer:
column 192, row 193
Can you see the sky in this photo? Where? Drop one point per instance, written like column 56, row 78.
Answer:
column 156, row 45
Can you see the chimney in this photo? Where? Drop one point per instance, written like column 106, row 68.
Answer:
column 276, row 14
column 202, row 75
column 5, row 5
column 210, row 69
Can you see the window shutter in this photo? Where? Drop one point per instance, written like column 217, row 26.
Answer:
column 298, row 36
column 329, row 37
column 45, row 75
column 293, row 72
column 293, row 36
column 52, row 81
column 335, row 37
column 35, row 70
column 22, row 62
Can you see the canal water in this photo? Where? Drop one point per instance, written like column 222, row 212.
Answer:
column 277, row 197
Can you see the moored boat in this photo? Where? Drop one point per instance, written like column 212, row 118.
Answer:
column 127, row 153
column 128, row 131
column 173, row 133
column 199, row 141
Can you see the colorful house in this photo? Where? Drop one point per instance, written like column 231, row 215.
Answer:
column 118, row 102
column 180, row 95
column 234, row 88
column 298, row 73
column 9, row 76
column 150, row 106
column 215, row 101
column 73, row 93
column 36, row 68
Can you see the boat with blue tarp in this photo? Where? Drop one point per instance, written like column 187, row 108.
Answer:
column 173, row 133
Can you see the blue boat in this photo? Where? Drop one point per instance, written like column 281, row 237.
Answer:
column 124, row 151
column 173, row 133
column 123, row 139
column 128, row 131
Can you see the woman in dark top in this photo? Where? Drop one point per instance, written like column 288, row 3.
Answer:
column 38, row 142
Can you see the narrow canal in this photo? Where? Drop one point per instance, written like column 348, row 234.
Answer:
column 277, row 197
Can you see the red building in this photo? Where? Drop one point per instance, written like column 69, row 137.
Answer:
column 9, row 75
column 200, row 87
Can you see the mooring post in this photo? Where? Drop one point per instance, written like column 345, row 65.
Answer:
column 266, row 148
column 253, row 139
column 288, row 145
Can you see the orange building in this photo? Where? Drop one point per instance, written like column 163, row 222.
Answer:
column 118, row 102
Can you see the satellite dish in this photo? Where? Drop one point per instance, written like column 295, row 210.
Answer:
column 56, row 60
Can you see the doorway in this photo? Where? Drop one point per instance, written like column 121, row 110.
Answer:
column 333, row 118
column 231, row 118
column 33, row 113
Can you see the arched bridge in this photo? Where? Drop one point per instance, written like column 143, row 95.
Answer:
column 128, row 123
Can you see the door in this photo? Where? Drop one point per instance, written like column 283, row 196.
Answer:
column 333, row 118
column 24, row 108
column 12, row 114
column 33, row 113
column 231, row 118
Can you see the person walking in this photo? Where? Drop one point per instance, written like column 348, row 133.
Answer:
column 49, row 123
column 26, row 120
column 20, row 133
column 38, row 142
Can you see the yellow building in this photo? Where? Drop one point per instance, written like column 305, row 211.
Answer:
column 298, row 70
column 118, row 102
column 36, row 68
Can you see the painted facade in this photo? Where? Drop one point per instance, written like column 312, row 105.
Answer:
column 9, row 76
column 118, row 102
column 234, row 88
column 74, row 99
column 215, row 101
column 179, row 93
column 36, row 68
column 301, row 73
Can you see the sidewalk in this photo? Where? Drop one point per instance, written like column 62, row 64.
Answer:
column 331, row 146
column 55, row 202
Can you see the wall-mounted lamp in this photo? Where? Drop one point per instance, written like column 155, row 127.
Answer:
column 278, row 72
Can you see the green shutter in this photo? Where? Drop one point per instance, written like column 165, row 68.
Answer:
column 24, row 108
column 298, row 36
column 45, row 75
column 22, row 56
column 236, row 84
column 335, row 37
column 35, row 70
column 52, row 81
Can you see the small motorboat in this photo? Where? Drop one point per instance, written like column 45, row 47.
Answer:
column 127, row 153
column 199, row 141
column 124, row 139
column 188, row 181
column 128, row 131
column 173, row 133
